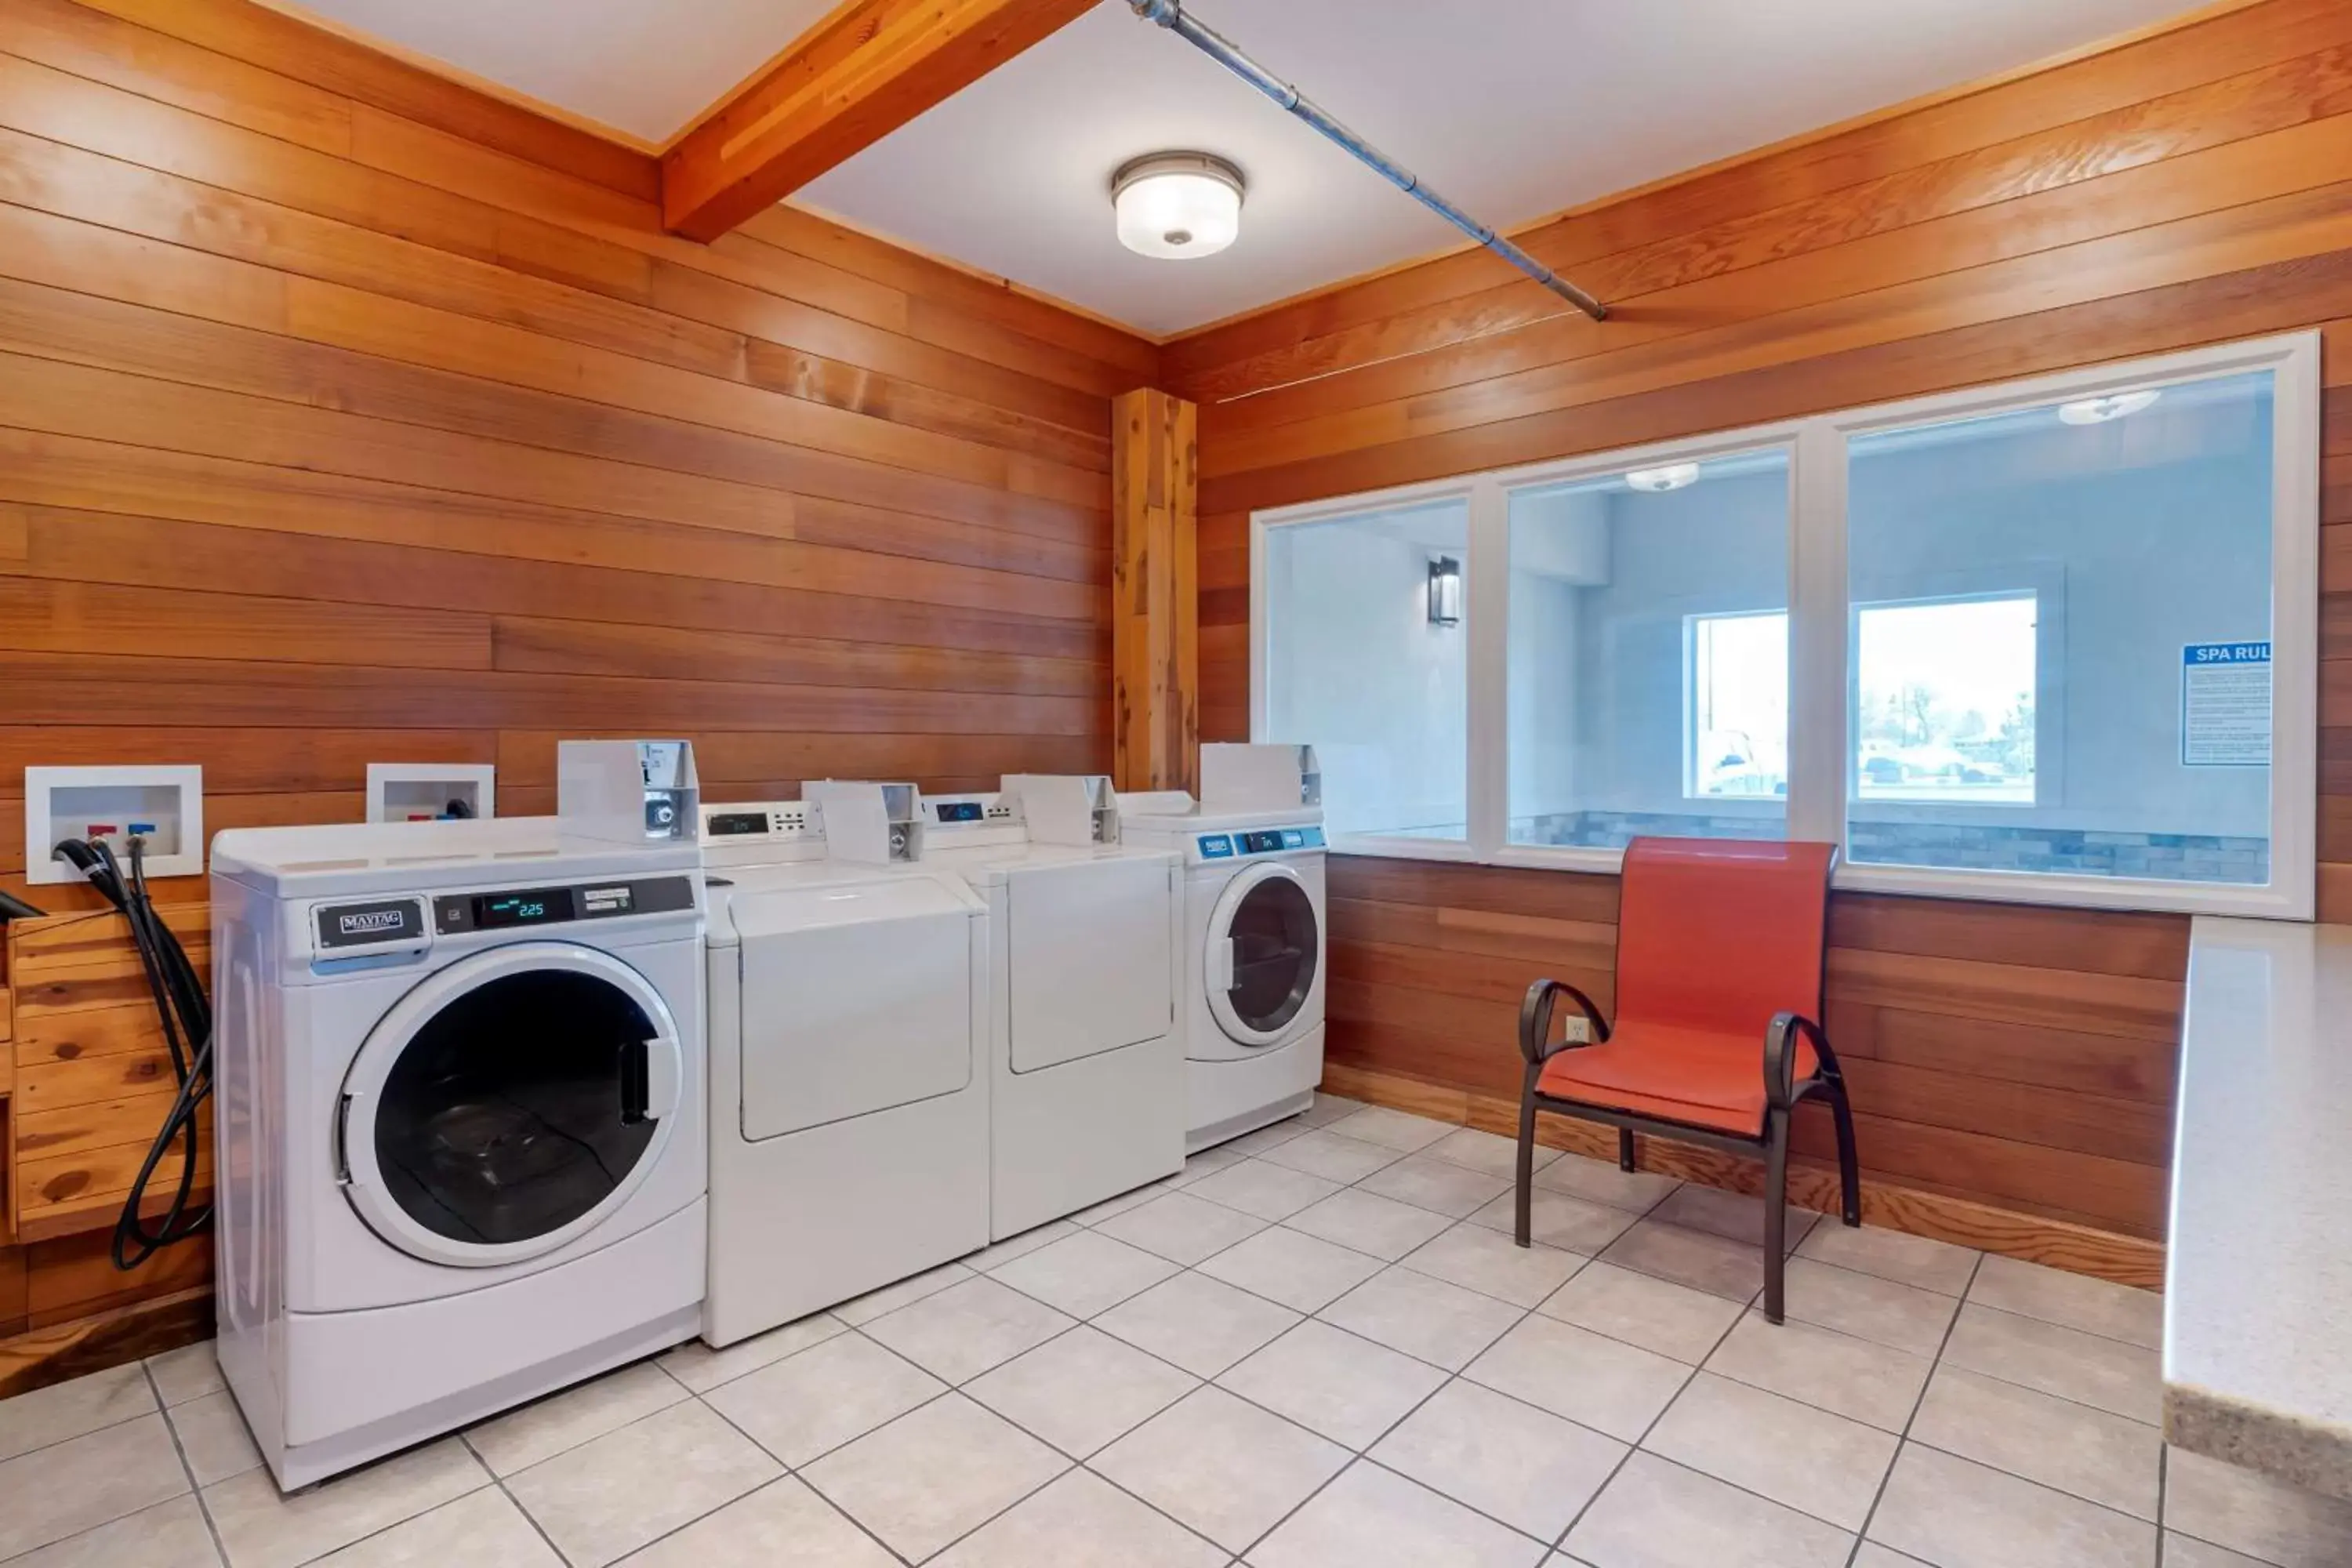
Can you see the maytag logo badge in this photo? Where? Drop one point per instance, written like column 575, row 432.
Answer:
column 371, row 921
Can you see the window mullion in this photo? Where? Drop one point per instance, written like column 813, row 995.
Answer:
column 1819, row 681
column 1489, row 726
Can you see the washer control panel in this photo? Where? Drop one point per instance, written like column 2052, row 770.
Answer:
column 1256, row 841
column 507, row 909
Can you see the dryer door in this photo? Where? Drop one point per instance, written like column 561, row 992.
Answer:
column 1265, row 943
column 1091, row 944
column 857, row 998
column 507, row 1104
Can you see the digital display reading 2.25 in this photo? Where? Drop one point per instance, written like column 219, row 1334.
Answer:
column 494, row 911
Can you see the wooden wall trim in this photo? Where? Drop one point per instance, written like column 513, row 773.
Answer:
column 79, row 1346
column 1812, row 1184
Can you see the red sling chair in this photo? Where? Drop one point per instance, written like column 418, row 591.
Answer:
column 1718, row 1034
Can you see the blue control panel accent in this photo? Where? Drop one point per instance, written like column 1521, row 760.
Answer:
column 1258, row 841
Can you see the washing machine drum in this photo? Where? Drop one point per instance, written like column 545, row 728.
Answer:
column 1264, row 945
column 508, row 1104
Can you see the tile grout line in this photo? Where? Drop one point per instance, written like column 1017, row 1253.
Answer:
column 2053, row 1323
column 2031, row 1388
column 1453, row 1222
column 791, row 1474
column 1903, row 1438
column 2163, row 1494
column 1450, row 1376
column 1213, row 1382
column 152, row 1387
column 1364, row 1455
column 1559, row 1543
column 171, row 1428
column 499, row 1481
column 1073, row 1463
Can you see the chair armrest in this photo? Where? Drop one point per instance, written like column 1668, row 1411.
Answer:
column 1780, row 1056
column 1536, row 1043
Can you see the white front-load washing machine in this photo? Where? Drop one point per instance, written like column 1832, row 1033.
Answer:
column 1085, row 1045
column 849, row 1070
column 459, row 1124
column 1253, row 958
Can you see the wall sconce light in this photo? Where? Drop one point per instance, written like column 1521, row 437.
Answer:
column 1445, row 592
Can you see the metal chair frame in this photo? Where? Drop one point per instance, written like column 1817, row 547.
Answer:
column 1783, row 1094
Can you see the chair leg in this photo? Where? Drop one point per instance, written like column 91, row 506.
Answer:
column 1625, row 1148
column 1849, row 1170
column 1522, row 1219
column 1776, row 1215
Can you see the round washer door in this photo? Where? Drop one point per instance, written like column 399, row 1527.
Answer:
column 508, row 1104
column 1265, row 943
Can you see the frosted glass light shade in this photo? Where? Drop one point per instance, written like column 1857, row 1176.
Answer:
column 1178, row 206
column 2099, row 410
column 1673, row 477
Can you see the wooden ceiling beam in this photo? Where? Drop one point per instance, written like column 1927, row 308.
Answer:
column 867, row 68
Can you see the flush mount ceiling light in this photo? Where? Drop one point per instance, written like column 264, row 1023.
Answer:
column 1673, row 477
column 1177, row 206
column 2099, row 410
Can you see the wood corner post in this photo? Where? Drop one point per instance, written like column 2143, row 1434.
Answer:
column 1155, row 587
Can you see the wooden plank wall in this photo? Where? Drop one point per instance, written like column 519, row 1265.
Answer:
column 348, row 414
column 93, row 1073
column 2190, row 187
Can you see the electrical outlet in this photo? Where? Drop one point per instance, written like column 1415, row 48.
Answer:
column 1576, row 1030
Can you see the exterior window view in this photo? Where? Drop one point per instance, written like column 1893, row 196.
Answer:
column 1944, row 699
column 1943, row 706
column 1738, row 745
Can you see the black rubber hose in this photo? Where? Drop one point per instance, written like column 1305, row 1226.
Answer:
column 186, row 1018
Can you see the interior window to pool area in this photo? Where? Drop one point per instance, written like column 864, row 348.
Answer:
column 2016, row 642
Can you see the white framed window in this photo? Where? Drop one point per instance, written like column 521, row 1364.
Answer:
column 1360, row 641
column 2048, row 641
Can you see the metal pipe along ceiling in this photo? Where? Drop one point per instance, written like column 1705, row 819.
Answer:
column 1170, row 14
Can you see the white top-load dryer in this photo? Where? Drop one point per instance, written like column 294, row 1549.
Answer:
column 849, row 1085
column 1085, row 1050
column 459, row 1118
column 1253, row 942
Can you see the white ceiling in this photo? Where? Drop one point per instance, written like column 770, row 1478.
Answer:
column 644, row 67
column 1513, row 108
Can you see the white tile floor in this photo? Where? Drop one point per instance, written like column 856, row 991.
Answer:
column 1274, row 1368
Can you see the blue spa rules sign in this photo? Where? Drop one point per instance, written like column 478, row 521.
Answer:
column 2225, row 705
